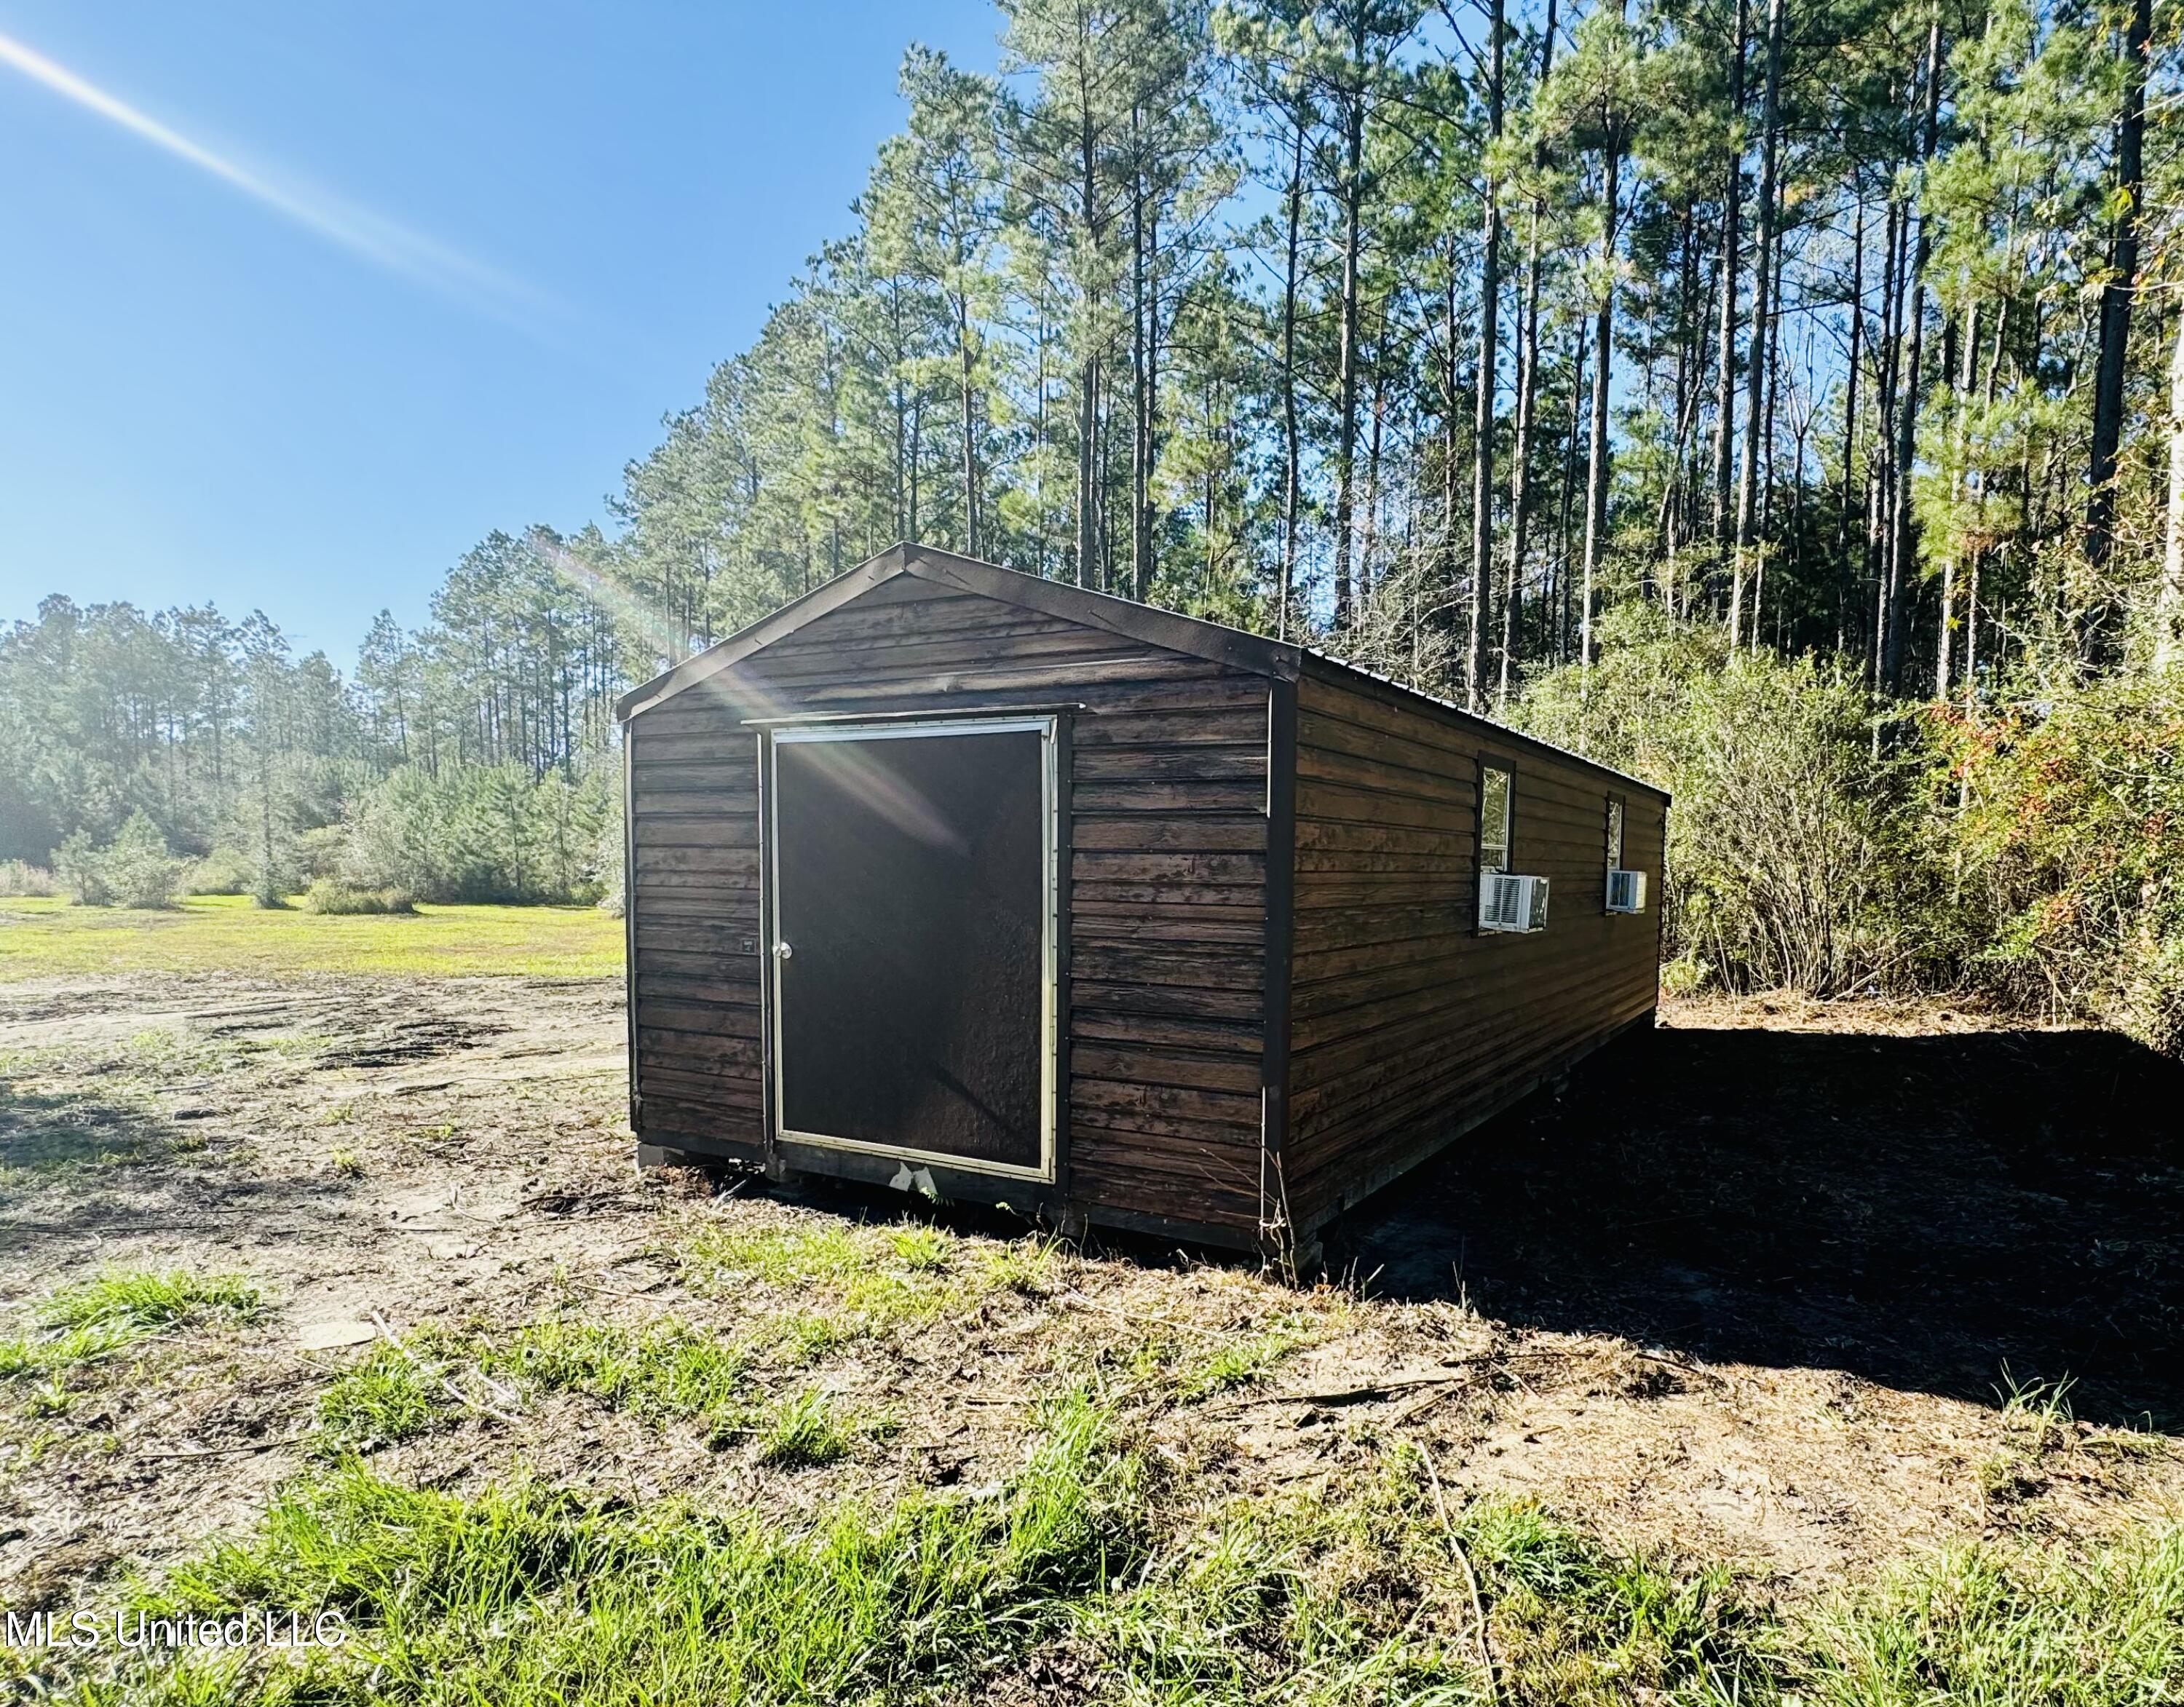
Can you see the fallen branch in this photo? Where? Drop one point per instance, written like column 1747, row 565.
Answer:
column 642, row 1293
column 227, row 1451
column 1380, row 1389
column 1471, row 1581
column 477, row 1404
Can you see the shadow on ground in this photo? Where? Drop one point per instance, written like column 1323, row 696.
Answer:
column 77, row 1169
column 44, row 1133
column 1921, row 1211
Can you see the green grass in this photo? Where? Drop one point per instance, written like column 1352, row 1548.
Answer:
column 527, row 1595
column 1985, row 1626
column 1242, row 1362
column 147, row 1300
column 42, row 936
column 805, row 1429
column 665, row 1370
column 95, row 1318
column 389, row 1395
column 840, row 1281
column 1089, row 1564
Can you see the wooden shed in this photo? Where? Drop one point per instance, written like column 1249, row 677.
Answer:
column 952, row 878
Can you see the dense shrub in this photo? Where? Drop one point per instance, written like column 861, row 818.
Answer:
column 2031, row 847
column 481, row 834
column 81, row 870
column 134, row 870
column 319, row 853
column 607, row 856
column 223, row 871
column 20, row 877
column 1794, row 854
column 332, row 895
column 139, row 868
column 2063, row 821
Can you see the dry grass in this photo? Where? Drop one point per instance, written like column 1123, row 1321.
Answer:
column 611, row 1433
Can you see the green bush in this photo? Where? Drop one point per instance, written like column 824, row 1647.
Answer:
column 321, row 851
column 2030, row 847
column 481, row 833
column 221, row 872
column 139, row 868
column 20, row 877
column 80, row 872
column 134, row 870
column 2062, row 821
column 332, row 895
column 1794, row 856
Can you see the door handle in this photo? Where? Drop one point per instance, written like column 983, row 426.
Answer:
column 781, row 951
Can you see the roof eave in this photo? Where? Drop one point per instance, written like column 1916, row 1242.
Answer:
column 1125, row 618
column 1339, row 669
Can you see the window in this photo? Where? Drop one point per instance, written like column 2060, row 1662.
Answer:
column 1495, row 794
column 1626, row 889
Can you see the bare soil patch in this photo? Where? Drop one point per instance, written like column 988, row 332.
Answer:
column 1744, row 1291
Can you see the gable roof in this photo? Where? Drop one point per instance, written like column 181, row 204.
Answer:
column 1123, row 616
column 1186, row 635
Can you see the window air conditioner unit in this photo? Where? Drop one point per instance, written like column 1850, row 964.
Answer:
column 1512, row 903
column 1626, row 891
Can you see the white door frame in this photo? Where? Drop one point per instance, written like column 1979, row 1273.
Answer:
column 1050, row 924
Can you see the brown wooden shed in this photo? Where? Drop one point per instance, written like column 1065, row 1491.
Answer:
column 953, row 878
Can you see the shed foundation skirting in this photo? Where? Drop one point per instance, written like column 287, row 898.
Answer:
column 1254, row 898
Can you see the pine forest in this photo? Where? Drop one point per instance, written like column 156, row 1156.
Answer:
column 1783, row 399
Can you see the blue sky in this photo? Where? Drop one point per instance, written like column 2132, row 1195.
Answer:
column 463, row 257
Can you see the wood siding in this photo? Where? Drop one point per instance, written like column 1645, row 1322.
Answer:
column 1166, row 841
column 1406, row 1023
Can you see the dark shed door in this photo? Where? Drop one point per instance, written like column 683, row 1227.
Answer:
column 913, row 873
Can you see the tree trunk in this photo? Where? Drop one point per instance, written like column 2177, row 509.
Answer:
column 1087, row 472
column 2168, row 605
column 1140, row 372
column 1528, row 385
column 969, row 399
column 1850, row 400
column 1604, row 356
column 1346, row 450
column 1968, row 359
column 1452, row 463
column 1755, row 360
column 1370, row 546
column 1672, row 496
column 1482, row 446
column 1878, row 481
column 2116, row 293
column 1724, row 397
column 1900, row 565
column 1569, row 493
column 1090, row 524
column 1292, row 455
column 1520, row 464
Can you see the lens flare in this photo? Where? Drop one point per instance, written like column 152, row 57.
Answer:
column 845, row 764
column 372, row 237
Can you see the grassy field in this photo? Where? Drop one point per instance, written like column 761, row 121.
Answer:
column 339, row 1295
column 43, row 937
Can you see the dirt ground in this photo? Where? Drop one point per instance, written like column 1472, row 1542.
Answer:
column 1753, row 1288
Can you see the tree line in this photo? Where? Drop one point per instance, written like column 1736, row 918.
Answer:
column 1434, row 331
column 464, row 761
column 1590, row 362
